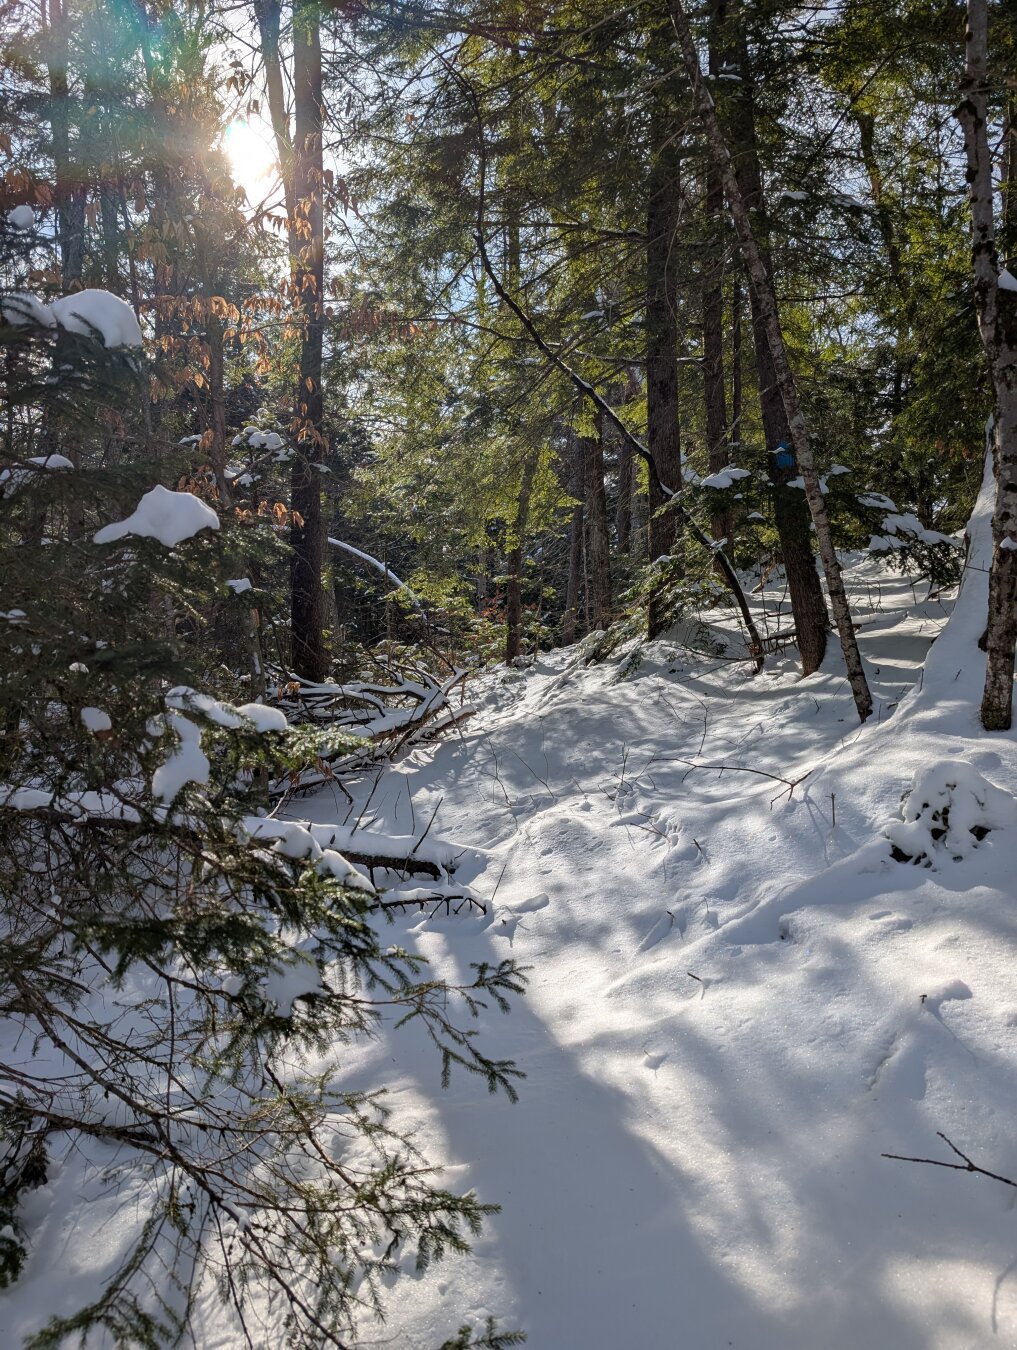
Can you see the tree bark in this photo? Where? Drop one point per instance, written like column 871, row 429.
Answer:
column 717, row 446
column 598, row 540
column 791, row 513
column 662, row 426
column 573, row 587
column 306, row 534
column 70, row 195
column 514, row 585
column 996, row 310
column 765, row 299
column 663, row 431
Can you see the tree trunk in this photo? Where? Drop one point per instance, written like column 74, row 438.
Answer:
column 70, row 195
column 791, row 513
column 306, row 534
column 598, row 541
column 713, row 343
column 735, row 433
column 766, row 304
column 663, row 431
column 573, row 587
column 623, row 505
column 996, row 310
column 514, row 585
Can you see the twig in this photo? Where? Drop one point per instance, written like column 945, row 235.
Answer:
column 966, row 1166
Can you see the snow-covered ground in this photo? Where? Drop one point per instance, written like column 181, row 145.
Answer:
column 735, row 1004
column 738, row 1001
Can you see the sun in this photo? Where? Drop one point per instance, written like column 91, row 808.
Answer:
column 251, row 154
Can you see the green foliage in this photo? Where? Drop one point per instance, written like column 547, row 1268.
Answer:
column 189, row 968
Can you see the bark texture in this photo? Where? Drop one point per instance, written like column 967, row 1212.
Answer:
column 996, row 309
column 769, row 321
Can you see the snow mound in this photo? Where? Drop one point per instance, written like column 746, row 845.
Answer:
column 951, row 807
column 264, row 718
column 89, row 312
column 20, row 308
column 21, row 218
column 13, row 478
column 725, row 478
column 170, row 517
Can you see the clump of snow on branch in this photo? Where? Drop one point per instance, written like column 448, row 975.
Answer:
column 902, row 530
column 725, row 478
column 96, row 720
column 92, row 314
column 170, row 517
column 89, row 312
column 20, row 308
column 11, row 479
column 21, row 218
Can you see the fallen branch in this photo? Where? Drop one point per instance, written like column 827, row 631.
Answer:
column 966, row 1166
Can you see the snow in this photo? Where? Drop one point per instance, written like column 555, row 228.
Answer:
column 725, row 477
column 96, row 720
column 184, row 699
column 19, row 307
column 91, row 311
column 1007, row 281
column 170, row 517
column 799, row 482
column 739, row 998
column 876, row 501
column 21, row 218
column 736, row 1005
column 239, row 584
column 264, row 718
column 14, row 478
column 187, row 763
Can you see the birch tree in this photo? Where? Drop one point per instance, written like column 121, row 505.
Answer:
column 996, row 305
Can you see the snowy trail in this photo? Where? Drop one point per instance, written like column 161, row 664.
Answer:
column 725, row 1025
column 736, row 1005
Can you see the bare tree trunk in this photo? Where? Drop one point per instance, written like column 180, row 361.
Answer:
column 70, row 193
column 1008, row 187
column 761, row 283
column 514, row 587
column 791, row 514
column 713, row 314
column 306, row 534
column 573, row 587
column 598, row 541
column 663, row 432
column 996, row 310
column 623, row 505
column 735, row 433
column 301, row 165
column 713, row 343
column 570, row 619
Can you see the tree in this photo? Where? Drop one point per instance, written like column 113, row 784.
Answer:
column 996, row 306
column 139, row 872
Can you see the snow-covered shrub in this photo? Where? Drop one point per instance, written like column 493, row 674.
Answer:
column 948, row 811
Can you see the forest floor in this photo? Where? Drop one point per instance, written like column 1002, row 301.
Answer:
column 738, row 999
